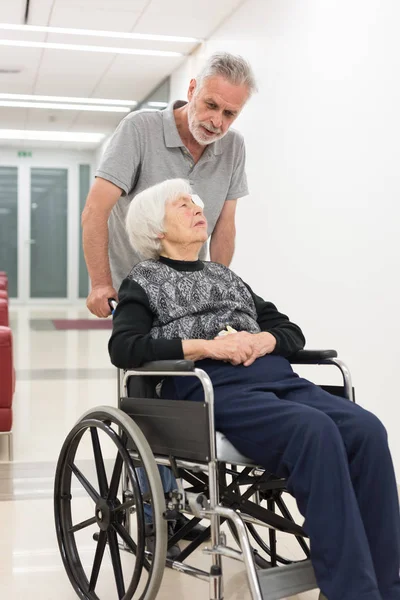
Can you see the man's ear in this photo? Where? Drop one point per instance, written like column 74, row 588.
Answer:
column 161, row 236
column 192, row 88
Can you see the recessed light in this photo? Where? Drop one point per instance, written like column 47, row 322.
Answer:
column 68, row 99
column 122, row 35
column 63, row 106
column 52, row 136
column 85, row 48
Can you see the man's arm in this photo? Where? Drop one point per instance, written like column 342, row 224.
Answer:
column 222, row 244
column 102, row 196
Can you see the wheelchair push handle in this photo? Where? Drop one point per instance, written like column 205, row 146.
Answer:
column 112, row 303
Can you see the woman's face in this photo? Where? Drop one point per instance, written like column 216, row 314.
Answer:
column 184, row 222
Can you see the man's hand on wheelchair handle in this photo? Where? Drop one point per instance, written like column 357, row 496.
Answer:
column 97, row 301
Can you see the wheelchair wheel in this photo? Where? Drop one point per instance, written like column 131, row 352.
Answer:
column 99, row 510
column 265, row 552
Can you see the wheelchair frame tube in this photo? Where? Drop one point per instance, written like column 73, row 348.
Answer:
column 336, row 362
column 347, row 382
column 212, row 464
column 125, row 477
column 208, row 389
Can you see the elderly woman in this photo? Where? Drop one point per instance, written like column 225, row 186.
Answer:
column 333, row 453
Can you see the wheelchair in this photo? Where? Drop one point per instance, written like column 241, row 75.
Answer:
column 100, row 508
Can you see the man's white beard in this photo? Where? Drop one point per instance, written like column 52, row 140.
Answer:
column 195, row 128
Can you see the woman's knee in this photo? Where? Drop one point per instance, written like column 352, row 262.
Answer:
column 368, row 427
column 318, row 428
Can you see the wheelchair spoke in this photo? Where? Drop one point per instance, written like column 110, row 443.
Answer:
column 141, row 560
column 98, row 457
column 82, row 525
column 125, row 505
column 116, row 475
column 122, row 532
column 85, row 483
column 116, row 562
column 98, row 557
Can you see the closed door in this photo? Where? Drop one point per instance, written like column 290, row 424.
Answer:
column 9, row 226
column 48, row 233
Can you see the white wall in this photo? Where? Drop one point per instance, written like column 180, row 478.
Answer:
column 319, row 234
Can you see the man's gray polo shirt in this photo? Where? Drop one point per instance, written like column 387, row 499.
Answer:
column 146, row 149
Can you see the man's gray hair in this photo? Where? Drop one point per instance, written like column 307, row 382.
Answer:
column 233, row 68
column 146, row 213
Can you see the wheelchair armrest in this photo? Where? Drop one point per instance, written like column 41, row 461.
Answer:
column 302, row 357
column 167, row 366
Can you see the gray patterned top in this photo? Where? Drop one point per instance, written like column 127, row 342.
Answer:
column 196, row 304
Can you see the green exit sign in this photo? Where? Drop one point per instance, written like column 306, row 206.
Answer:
column 25, row 153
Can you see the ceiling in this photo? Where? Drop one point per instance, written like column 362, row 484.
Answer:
column 91, row 74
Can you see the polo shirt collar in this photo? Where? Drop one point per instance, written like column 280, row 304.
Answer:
column 171, row 134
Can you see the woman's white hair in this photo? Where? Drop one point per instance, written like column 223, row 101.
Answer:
column 145, row 218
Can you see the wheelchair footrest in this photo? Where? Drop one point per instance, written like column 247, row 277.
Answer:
column 280, row 582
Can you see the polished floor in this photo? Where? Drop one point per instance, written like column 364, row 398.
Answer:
column 60, row 375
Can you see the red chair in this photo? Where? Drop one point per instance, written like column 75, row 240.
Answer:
column 3, row 283
column 4, row 294
column 4, row 321
column 7, row 385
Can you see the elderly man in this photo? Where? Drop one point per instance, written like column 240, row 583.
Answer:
column 189, row 139
column 333, row 453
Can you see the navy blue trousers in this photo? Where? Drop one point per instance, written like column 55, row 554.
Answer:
column 335, row 457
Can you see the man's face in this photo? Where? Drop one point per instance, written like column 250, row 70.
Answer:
column 184, row 221
column 213, row 108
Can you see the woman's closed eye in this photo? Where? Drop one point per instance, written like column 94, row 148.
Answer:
column 187, row 203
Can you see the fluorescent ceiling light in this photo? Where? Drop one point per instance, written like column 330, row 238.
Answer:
column 51, row 136
column 82, row 48
column 158, row 104
column 61, row 106
column 100, row 33
column 68, row 99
